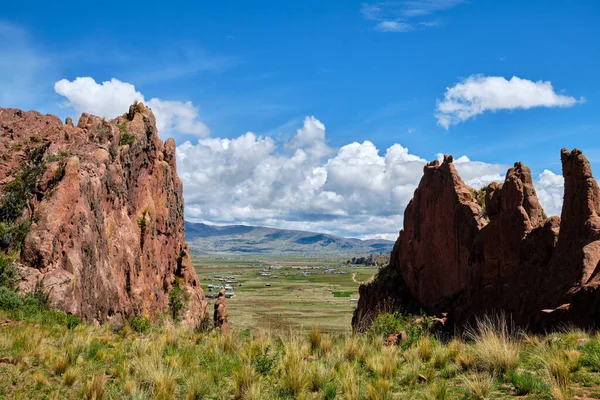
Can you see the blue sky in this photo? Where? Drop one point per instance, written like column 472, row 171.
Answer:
column 368, row 71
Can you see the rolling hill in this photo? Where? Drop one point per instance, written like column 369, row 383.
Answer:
column 242, row 239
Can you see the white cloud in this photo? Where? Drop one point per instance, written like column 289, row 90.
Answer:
column 405, row 16
column 393, row 26
column 550, row 190
column 478, row 94
column 112, row 98
column 356, row 190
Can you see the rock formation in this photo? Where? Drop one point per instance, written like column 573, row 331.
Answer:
column 106, row 235
column 221, row 315
column 466, row 259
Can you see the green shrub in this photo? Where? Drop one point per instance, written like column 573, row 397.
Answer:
column 39, row 298
column 71, row 321
column 5, row 235
column 113, row 150
column 19, row 232
column 127, row 138
column 8, row 272
column 13, row 234
column 140, row 324
column 178, row 299
column 264, row 363
column 18, row 191
column 590, row 356
column 9, row 300
column 526, row 383
column 388, row 323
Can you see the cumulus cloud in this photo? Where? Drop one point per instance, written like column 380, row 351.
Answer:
column 301, row 183
column 478, row 94
column 550, row 190
column 111, row 98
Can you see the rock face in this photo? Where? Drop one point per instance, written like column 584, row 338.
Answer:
column 466, row 259
column 106, row 238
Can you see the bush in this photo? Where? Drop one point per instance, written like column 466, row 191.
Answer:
column 526, row 383
column 388, row 323
column 140, row 324
column 8, row 273
column 178, row 299
column 5, row 235
column 39, row 298
column 19, row 232
column 264, row 363
column 18, row 191
column 591, row 356
column 127, row 138
column 9, row 300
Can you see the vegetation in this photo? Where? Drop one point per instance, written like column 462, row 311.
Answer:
column 297, row 298
column 378, row 260
column 18, row 191
column 479, row 197
column 126, row 137
column 43, row 356
column 178, row 299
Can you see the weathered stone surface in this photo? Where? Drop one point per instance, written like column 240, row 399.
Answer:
column 455, row 257
column 107, row 236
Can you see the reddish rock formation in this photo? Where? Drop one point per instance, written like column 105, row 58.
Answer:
column 106, row 237
column 221, row 315
column 455, row 256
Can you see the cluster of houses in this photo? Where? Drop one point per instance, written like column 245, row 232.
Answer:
column 227, row 283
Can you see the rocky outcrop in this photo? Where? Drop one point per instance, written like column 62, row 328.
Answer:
column 220, row 315
column 106, row 236
column 466, row 259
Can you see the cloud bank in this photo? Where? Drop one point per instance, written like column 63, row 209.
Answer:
column 301, row 182
column 478, row 94
column 112, row 98
column 357, row 190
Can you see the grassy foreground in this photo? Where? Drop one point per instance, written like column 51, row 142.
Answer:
column 44, row 355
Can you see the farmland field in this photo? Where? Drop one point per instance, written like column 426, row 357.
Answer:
column 301, row 293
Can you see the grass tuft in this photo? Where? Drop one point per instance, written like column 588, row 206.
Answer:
column 495, row 348
column 479, row 385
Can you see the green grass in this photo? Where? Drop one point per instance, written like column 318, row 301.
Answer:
column 293, row 301
column 342, row 294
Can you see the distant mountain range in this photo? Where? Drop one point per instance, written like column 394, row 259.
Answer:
column 242, row 239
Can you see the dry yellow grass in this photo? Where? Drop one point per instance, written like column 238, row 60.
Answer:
column 494, row 347
column 174, row 362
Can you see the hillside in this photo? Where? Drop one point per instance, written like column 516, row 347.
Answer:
column 241, row 239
